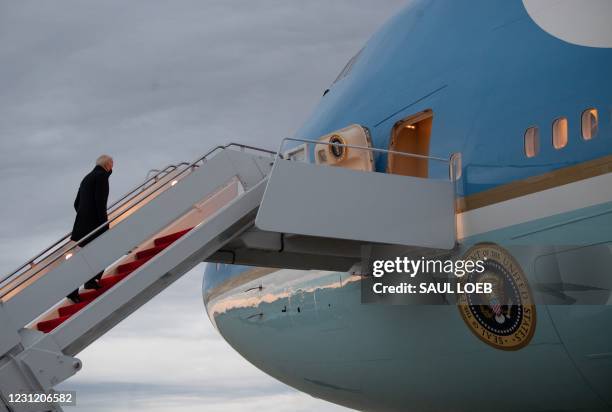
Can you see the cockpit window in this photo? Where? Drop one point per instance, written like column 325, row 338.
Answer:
column 349, row 66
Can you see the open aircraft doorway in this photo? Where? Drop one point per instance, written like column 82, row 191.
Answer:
column 411, row 135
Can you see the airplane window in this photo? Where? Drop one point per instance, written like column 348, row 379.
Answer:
column 590, row 124
column 560, row 133
column 532, row 142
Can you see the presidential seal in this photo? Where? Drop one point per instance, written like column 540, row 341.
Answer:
column 505, row 318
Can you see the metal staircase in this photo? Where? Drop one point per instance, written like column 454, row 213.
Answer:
column 236, row 204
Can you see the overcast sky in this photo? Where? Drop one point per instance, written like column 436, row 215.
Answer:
column 152, row 83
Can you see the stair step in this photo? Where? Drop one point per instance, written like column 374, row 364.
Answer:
column 71, row 309
column 89, row 295
column 47, row 326
column 152, row 251
column 108, row 281
column 132, row 266
column 170, row 238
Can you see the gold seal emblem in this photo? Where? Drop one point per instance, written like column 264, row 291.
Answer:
column 506, row 317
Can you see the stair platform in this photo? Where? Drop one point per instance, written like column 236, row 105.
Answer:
column 339, row 203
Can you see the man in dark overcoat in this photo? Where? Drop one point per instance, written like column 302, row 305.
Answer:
column 90, row 206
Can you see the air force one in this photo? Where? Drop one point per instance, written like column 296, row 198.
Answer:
column 523, row 91
column 461, row 130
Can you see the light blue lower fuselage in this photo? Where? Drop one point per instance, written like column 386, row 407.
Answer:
column 422, row 357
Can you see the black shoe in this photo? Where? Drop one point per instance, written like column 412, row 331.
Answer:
column 75, row 299
column 92, row 284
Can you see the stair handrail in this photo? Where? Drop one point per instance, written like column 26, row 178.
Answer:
column 114, row 206
column 157, row 170
column 154, row 179
column 367, row 148
column 190, row 167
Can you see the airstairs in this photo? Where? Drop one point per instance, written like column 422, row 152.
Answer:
column 236, row 204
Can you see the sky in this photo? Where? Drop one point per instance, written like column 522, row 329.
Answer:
column 152, row 83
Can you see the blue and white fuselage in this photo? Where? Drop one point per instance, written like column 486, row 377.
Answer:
column 489, row 71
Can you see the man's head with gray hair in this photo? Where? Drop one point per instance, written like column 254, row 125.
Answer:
column 106, row 162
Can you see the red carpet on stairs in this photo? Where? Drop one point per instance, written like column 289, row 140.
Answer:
column 170, row 238
column 109, row 281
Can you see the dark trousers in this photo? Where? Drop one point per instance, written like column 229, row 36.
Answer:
column 75, row 293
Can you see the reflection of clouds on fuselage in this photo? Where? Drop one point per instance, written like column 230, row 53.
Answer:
column 306, row 282
column 585, row 23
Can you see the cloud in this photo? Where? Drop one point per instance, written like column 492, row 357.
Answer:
column 155, row 82
column 138, row 397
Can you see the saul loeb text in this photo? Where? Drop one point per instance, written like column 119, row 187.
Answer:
column 411, row 268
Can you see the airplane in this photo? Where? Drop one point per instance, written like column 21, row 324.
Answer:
column 460, row 132
column 522, row 90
